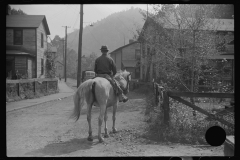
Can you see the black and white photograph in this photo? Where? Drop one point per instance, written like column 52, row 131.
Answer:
column 120, row 80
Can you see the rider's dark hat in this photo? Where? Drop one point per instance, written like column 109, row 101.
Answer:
column 104, row 48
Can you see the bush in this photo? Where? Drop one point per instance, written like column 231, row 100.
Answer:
column 183, row 128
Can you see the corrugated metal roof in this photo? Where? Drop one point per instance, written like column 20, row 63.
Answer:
column 27, row 21
column 129, row 63
column 220, row 24
column 16, row 52
column 209, row 24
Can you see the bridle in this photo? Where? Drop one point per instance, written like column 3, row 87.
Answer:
column 126, row 89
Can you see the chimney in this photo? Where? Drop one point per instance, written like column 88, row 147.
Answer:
column 131, row 41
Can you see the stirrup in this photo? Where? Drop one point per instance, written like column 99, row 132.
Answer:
column 123, row 99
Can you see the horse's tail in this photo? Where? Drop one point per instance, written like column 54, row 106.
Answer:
column 83, row 93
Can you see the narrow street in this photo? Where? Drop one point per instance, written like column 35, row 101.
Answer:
column 165, row 54
column 46, row 130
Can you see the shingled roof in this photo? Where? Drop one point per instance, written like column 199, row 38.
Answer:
column 27, row 21
column 123, row 47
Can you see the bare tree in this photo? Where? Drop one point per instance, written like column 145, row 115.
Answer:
column 180, row 40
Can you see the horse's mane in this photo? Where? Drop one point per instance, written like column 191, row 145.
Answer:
column 121, row 74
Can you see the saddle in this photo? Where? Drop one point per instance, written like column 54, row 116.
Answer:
column 112, row 81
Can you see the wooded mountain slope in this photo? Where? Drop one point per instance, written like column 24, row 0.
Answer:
column 110, row 31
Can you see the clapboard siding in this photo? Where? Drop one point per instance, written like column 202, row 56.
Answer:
column 129, row 51
column 33, row 68
column 29, row 67
column 40, row 50
column 20, row 64
column 28, row 45
column 29, row 35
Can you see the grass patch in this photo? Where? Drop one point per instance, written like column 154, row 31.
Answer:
column 184, row 127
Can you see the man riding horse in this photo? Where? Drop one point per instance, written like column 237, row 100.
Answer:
column 105, row 67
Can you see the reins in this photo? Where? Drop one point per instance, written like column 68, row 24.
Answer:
column 125, row 90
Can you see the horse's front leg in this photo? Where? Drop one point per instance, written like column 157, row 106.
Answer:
column 114, row 118
column 106, row 135
column 100, row 119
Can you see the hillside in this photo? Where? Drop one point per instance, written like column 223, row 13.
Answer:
column 109, row 31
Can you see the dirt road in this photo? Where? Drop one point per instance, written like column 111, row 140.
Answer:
column 45, row 130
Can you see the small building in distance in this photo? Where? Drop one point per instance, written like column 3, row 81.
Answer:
column 128, row 57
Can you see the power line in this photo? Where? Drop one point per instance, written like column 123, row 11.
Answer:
column 70, row 12
column 123, row 23
column 75, row 34
column 73, row 40
column 88, row 49
column 63, row 10
column 76, row 17
column 95, row 38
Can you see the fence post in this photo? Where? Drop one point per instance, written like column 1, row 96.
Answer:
column 166, row 107
column 156, row 94
column 35, row 87
column 47, row 86
column 18, row 88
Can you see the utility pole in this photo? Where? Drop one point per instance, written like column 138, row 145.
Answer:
column 65, row 60
column 79, row 71
column 63, row 49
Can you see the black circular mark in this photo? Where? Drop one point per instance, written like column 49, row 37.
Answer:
column 215, row 136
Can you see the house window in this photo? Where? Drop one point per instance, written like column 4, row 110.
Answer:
column 42, row 40
column 18, row 37
column 137, row 54
column 42, row 68
column 143, row 51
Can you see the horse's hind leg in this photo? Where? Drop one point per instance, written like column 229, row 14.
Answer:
column 114, row 118
column 89, row 108
column 100, row 119
column 106, row 135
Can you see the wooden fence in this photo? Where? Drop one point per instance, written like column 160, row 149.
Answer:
column 17, row 88
column 161, row 93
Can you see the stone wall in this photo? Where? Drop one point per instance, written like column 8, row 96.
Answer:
column 30, row 88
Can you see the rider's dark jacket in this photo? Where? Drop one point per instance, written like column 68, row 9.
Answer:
column 105, row 65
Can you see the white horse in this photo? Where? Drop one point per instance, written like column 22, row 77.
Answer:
column 99, row 92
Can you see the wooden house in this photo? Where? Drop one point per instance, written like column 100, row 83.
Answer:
column 221, row 27
column 128, row 57
column 26, row 43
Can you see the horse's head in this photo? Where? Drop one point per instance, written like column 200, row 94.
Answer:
column 124, row 77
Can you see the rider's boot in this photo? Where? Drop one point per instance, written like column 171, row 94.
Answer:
column 122, row 98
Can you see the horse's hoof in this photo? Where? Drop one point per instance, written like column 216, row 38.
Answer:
column 101, row 139
column 106, row 135
column 90, row 139
column 114, row 130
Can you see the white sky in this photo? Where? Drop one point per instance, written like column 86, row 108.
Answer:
column 68, row 15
